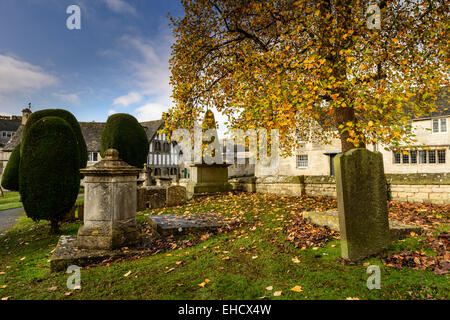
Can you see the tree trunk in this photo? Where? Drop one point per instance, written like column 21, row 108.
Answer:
column 344, row 115
column 54, row 226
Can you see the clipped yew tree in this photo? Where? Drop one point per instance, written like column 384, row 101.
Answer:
column 125, row 134
column 49, row 177
column 10, row 177
column 71, row 120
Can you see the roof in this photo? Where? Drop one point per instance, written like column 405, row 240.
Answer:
column 92, row 132
column 151, row 127
column 442, row 106
column 9, row 124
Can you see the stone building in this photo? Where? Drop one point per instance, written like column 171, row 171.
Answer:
column 10, row 130
column 430, row 154
column 163, row 156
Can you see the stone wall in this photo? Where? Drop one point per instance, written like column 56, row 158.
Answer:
column 417, row 188
column 420, row 187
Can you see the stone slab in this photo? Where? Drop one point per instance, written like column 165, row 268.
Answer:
column 67, row 253
column 330, row 219
column 172, row 224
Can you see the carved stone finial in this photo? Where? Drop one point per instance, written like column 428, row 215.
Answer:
column 112, row 154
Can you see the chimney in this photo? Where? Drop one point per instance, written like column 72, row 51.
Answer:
column 26, row 114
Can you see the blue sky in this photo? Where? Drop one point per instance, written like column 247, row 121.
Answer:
column 117, row 62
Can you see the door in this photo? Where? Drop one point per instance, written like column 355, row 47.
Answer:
column 332, row 156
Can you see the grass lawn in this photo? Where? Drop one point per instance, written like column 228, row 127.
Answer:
column 10, row 201
column 242, row 263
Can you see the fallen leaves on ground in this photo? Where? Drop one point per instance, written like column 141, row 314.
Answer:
column 426, row 215
column 302, row 233
column 439, row 262
column 297, row 289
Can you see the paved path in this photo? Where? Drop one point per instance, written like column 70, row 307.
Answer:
column 8, row 218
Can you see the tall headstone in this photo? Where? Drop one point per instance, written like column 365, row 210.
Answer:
column 109, row 204
column 362, row 203
column 204, row 177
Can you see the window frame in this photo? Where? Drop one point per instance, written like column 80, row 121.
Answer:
column 299, row 161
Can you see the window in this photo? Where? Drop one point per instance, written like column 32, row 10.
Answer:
column 441, row 156
column 150, row 159
column 413, row 155
column 397, row 157
column 443, row 125
column 302, row 161
column 435, row 125
column 439, row 125
column 431, row 156
column 423, row 156
column 9, row 134
column 406, row 157
column 4, row 133
column 93, row 156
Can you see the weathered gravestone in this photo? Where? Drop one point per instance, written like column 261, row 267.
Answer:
column 109, row 204
column 160, row 196
column 362, row 203
column 176, row 196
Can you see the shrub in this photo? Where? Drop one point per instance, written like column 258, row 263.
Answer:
column 125, row 134
column 10, row 177
column 70, row 119
column 49, row 177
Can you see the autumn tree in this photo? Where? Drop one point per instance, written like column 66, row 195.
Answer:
column 311, row 69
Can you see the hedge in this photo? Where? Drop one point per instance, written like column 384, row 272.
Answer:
column 49, row 177
column 125, row 134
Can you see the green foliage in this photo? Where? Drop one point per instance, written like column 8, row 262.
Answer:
column 125, row 134
column 49, row 177
column 70, row 119
column 10, row 177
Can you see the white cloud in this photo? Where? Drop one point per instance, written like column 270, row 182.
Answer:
column 152, row 72
column 111, row 112
column 19, row 76
column 150, row 111
column 131, row 98
column 120, row 6
column 71, row 98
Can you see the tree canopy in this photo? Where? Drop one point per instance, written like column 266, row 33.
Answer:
column 315, row 69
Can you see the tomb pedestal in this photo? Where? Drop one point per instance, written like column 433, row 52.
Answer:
column 109, row 204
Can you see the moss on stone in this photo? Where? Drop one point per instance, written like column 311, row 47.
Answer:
column 419, row 178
